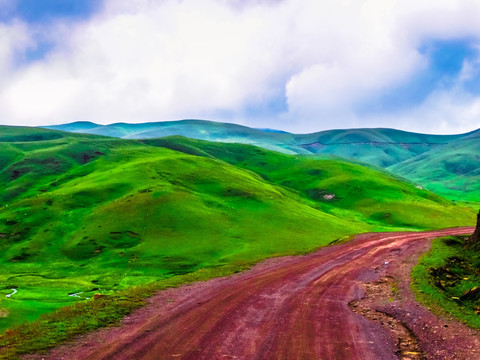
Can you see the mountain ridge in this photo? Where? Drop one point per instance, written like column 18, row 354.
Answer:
column 382, row 147
column 89, row 125
column 446, row 164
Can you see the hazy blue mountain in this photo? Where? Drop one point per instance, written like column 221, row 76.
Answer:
column 379, row 147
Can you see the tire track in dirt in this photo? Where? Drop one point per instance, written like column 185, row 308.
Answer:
column 285, row 308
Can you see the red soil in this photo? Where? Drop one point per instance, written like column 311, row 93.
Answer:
column 289, row 308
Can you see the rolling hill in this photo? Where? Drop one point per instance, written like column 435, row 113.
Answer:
column 82, row 214
column 446, row 164
column 452, row 170
column 379, row 147
column 349, row 190
column 195, row 129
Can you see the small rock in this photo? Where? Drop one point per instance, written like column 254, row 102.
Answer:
column 471, row 294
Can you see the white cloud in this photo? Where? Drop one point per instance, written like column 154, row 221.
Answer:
column 144, row 60
column 14, row 39
column 447, row 110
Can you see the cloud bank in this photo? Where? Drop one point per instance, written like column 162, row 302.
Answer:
column 295, row 65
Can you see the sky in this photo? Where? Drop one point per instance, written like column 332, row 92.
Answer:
column 294, row 65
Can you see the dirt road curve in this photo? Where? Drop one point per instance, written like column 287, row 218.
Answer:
column 293, row 308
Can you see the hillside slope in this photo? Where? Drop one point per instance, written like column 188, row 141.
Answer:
column 82, row 213
column 452, row 170
column 348, row 190
column 379, row 147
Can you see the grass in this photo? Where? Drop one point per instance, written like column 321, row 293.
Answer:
column 54, row 328
column 451, row 170
column 87, row 214
column 362, row 194
column 445, row 273
column 394, row 291
column 444, row 164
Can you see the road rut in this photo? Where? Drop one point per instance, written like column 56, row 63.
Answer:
column 287, row 308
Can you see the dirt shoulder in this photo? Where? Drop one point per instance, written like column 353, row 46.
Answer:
column 439, row 337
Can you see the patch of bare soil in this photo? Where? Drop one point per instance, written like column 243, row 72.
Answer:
column 439, row 337
column 377, row 293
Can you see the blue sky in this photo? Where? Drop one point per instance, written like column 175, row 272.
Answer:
column 445, row 61
column 297, row 66
column 40, row 11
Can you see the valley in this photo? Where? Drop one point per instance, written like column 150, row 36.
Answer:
column 86, row 216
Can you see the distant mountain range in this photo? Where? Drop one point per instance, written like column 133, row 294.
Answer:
column 447, row 164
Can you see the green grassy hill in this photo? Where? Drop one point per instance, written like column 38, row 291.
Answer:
column 82, row 214
column 446, row 164
column 350, row 191
column 379, row 147
column 452, row 170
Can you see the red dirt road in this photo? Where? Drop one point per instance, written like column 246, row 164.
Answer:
column 288, row 308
